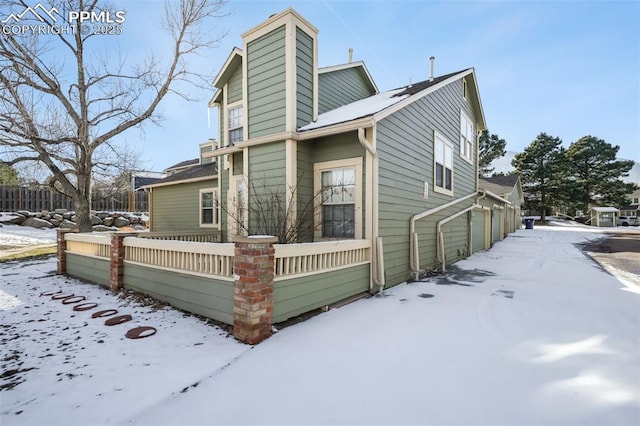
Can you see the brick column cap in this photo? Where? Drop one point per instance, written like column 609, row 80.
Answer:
column 259, row 239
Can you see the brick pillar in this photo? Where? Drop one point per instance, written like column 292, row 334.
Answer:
column 61, row 250
column 116, row 266
column 253, row 268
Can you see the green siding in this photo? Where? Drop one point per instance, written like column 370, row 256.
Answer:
column 176, row 207
column 304, row 189
column 203, row 296
column 341, row 87
column 90, row 269
column 266, row 84
column 267, row 185
column 304, row 78
column 235, row 86
column 405, row 149
column 295, row 296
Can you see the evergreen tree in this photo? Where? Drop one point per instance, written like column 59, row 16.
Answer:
column 594, row 174
column 540, row 167
column 491, row 148
column 8, row 175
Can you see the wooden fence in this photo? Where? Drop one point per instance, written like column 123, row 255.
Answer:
column 15, row 198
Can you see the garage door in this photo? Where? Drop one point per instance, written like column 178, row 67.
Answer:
column 478, row 230
column 495, row 226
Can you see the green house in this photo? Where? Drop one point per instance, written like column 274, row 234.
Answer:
column 323, row 152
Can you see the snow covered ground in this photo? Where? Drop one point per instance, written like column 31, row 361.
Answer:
column 530, row 332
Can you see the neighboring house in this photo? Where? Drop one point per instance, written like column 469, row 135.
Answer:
column 181, row 166
column 509, row 188
column 186, row 199
column 633, row 209
column 398, row 168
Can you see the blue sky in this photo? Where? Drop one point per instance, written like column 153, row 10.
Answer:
column 567, row 68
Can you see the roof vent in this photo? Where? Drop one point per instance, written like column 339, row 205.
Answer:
column 432, row 59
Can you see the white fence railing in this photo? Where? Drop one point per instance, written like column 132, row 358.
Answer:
column 216, row 259
column 94, row 244
column 312, row 258
column 194, row 257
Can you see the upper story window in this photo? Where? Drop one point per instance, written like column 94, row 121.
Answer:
column 467, row 137
column 235, row 119
column 636, row 201
column 443, row 165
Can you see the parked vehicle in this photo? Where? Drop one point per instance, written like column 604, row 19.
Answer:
column 627, row 221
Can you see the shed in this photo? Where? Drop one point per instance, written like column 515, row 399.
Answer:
column 604, row 216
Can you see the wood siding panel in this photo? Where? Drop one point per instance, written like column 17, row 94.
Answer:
column 203, row 296
column 88, row 268
column 341, row 87
column 235, row 86
column 299, row 295
column 266, row 84
column 405, row 149
column 304, row 78
column 267, row 177
column 304, row 189
column 176, row 207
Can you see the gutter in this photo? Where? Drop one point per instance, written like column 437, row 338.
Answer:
column 377, row 270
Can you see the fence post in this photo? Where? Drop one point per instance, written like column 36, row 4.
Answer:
column 116, row 264
column 61, row 249
column 253, row 269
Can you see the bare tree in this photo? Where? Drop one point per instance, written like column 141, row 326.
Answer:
column 63, row 105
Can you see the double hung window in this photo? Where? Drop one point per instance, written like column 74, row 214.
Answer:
column 235, row 118
column 443, row 165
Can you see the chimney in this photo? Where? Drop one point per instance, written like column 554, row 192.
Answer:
column 432, row 59
column 350, row 55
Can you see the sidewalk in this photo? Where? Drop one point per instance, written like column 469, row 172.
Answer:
column 530, row 332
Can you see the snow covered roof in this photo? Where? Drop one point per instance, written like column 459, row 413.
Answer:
column 604, row 209
column 373, row 104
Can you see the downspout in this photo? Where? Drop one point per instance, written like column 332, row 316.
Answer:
column 377, row 276
column 414, row 257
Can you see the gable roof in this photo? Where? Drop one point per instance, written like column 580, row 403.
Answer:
column 380, row 105
column 184, row 164
column 359, row 65
column 504, row 181
column 195, row 173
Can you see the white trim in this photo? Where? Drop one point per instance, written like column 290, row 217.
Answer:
column 176, row 182
column 472, row 142
column 215, row 208
column 318, row 168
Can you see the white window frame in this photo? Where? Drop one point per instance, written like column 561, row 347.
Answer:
column 215, row 208
column 236, row 126
column 467, row 137
column 438, row 138
column 326, row 166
